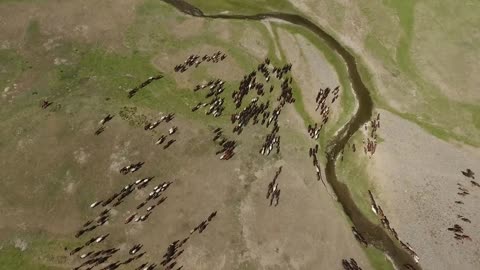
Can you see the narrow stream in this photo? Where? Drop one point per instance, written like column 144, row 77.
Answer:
column 374, row 234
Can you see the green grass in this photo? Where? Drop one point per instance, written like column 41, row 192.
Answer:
column 378, row 259
column 438, row 115
column 352, row 171
column 12, row 258
column 348, row 99
column 41, row 253
column 11, row 66
column 405, row 12
column 93, row 74
column 242, row 6
column 33, row 34
column 433, row 116
column 373, row 43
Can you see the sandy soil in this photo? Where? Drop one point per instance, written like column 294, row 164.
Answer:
column 312, row 71
column 253, row 42
column 268, row 25
column 416, row 176
column 190, row 27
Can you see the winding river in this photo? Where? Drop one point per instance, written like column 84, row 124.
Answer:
column 373, row 233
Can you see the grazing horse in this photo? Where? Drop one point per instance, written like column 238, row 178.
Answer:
column 135, row 249
column 45, row 104
column 167, row 145
column 161, row 140
column 373, row 203
column 469, row 173
column 409, row 267
column 211, row 216
column 130, row 218
column 100, row 130
column 93, row 205
column 172, row 130
column 106, row 119
column 359, row 237
column 101, row 238
column 141, row 266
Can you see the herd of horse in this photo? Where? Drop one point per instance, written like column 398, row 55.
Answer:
column 228, row 146
column 458, row 230
column 153, row 199
column 322, row 103
column 132, row 92
column 92, row 257
column 259, row 110
column 195, row 60
column 371, row 144
column 273, row 192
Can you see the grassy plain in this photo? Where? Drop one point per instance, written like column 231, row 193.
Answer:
column 55, row 166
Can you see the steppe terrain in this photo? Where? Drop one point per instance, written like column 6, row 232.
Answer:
column 419, row 61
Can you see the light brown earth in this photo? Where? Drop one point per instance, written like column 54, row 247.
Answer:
column 416, row 177
column 268, row 26
column 253, row 43
column 312, row 71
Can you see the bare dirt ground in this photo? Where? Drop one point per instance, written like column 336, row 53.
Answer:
column 268, row 25
column 312, row 71
column 189, row 28
column 416, row 177
column 252, row 41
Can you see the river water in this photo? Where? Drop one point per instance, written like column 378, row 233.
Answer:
column 374, row 234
